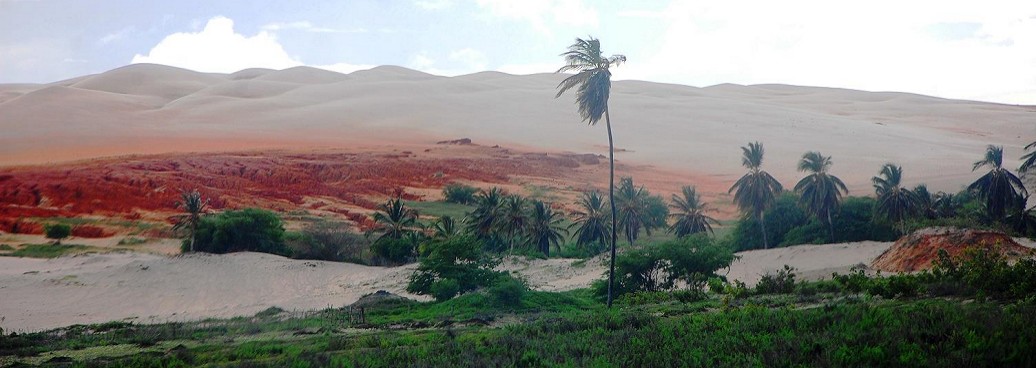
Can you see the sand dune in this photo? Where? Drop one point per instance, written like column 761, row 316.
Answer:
column 673, row 126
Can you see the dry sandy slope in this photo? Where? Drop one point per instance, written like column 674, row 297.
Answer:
column 150, row 108
column 40, row 294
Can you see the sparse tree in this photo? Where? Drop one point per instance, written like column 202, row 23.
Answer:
column 592, row 221
column 894, row 201
column 593, row 79
column 999, row 187
column 544, row 227
column 927, row 205
column 690, row 214
column 194, row 206
column 820, row 192
column 57, row 232
column 757, row 190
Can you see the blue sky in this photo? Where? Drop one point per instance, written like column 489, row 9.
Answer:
column 958, row 49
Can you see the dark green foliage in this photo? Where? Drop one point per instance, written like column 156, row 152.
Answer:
column 459, row 193
column 457, row 262
column 57, row 231
column 48, row 250
column 820, row 192
column 999, row 188
column 782, row 282
column 247, row 230
column 690, row 214
column 592, row 222
column 788, row 224
column 783, row 216
column 327, row 241
column 509, row 291
column 688, row 262
column 391, row 252
column 756, row 191
column 987, row 274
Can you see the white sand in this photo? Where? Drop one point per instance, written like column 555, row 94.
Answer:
column 40, row 294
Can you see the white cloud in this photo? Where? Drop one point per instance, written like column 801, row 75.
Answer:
column 542, row 14
column 115, row 36
column 218, row 48
column 308, row 27
column 470, row 58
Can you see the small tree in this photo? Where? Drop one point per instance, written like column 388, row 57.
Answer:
column 194, row 205
column 453, row 266
column 57, row 232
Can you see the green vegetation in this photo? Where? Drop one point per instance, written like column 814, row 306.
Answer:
column 5, row 247
column 57, row 232
column 50, row 250
column 690, row 214
column 757, row 190
column 687, row 263
column 820, row 193
column 900, row 320
column 247, row 230
column 439, row 209
column 453, row 266
column 329, row 241
column 459, row 193
column 130, row 241
column 194, row 205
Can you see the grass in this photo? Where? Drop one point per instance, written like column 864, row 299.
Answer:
column 5, row 247
column 132, row 241
column 50, row 250
column 438, row 209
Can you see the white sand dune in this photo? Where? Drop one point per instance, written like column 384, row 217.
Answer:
column 41, row 294
column 674, row 126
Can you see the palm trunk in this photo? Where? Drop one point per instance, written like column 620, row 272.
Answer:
column 762, row 225
column 830, row 226
column 194, row 234
column 611, row 200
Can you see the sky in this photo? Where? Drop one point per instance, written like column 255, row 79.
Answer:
column 979, row 50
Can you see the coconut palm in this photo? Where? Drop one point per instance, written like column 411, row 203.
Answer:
column 756, row 191
column 1029, row 159
column 482, row 221
column 593, row 222
column 394, row 220
column 194, row 205
column 895, row 202
column 633, row 211
column 927, row 203
column 820, row 192
column 689, row 212
column 513, row 218
column 544, row 227
column 593, row 79
column 1000, row 188
column 445, row 228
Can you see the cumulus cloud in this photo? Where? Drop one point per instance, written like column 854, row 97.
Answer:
column 306, row 26
column 218, row 48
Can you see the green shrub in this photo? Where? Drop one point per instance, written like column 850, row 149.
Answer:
column 856, row 281
column 689, row 261
column 459, row 193
column 394, row 251
column 247, row 230
column 782, row 282
column 782, row 217
column 508, row 291
column 57, row 232
column 459, row 259
column 328, row 241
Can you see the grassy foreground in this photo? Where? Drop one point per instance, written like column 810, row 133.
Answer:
column 569, row 329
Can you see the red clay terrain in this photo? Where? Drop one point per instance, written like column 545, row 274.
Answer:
column 917, row 251
column 341, row 183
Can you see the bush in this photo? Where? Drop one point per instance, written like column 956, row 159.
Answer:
column 459, row 193
column 783, row 216
column 394, row 251
column 57, row 232
column 247, row 230
column 456, row 261
column 689, row 261
column 328, row 241
column 782, row 282
column 508, row 291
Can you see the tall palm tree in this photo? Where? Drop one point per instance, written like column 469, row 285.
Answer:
column 690, row 214
column 1029, row 159
column 194, row 205
column 593, row 222
column 633, row 209
column 544, row 228
column 756, row 191
column 482, row 221
column 513, row 218
column 820, row 192
column 593, row 79
column 394, row 220
column 927, row 203
column 895, row 202
column 1000, row 188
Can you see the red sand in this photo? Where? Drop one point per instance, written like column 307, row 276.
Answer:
column 917, row 251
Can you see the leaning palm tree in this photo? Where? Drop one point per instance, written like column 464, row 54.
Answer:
column 194, row 205
column 895, row 202
column 513, row 219
column 690, row 214
column 544, row 227
column 756, row 191
column 820, row 192
column 633, row 210
column 593, row 222
column 1029, row 159
column 1000, row 188
column 394, row 220
column 593, row 79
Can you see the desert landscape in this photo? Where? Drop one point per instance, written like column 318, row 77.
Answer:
column 246, row 208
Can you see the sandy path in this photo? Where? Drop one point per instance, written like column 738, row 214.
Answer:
column 39, row 294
